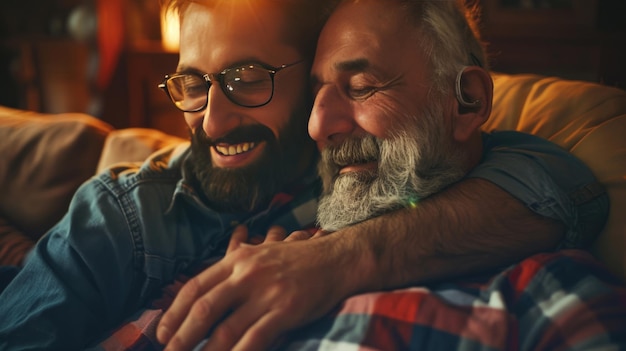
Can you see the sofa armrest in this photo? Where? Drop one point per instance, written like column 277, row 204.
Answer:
column 45, row 158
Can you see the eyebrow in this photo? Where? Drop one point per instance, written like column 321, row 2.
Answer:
column 187, row 69
column 353, row 65
column 238, row 63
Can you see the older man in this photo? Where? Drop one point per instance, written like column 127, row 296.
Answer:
column 397, row 116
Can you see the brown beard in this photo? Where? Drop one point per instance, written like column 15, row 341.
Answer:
column 249, row 188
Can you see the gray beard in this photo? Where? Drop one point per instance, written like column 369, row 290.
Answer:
column 414, row 163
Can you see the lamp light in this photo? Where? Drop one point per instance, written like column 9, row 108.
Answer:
column 170, row 30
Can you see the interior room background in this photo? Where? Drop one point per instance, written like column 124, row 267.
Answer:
column 106, row 57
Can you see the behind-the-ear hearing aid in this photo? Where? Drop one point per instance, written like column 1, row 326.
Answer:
column 459, row 93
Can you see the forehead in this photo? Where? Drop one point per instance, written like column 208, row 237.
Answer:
column 372, row 29
column 229, row 32
column 368, row 19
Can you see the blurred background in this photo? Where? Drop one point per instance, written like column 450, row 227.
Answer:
column 106, row 57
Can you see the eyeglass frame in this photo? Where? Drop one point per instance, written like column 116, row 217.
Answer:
column 218, row 76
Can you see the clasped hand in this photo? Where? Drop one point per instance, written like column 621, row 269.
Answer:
column 255, row 294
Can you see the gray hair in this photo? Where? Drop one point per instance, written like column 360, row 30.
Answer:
column 450, row 37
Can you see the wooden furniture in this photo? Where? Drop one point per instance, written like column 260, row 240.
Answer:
column 575, row 39
column 148, row 105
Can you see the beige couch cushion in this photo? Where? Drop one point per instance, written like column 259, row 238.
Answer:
column 44, row 160
column 586, row 118
column 134, row 145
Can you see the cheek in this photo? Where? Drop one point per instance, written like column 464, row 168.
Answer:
column 276, row 117
column 380, row 118
column 289, row 111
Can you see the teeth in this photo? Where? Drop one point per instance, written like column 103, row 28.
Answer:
column 233, row 150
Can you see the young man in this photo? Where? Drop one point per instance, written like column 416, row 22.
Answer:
column 130, row 231
column 242, row 81
column 393, row 130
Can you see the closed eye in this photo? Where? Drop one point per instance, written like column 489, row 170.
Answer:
column 195, row 89
column 361, row 93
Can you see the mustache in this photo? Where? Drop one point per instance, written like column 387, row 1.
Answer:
column 250, row 133
column 353, row 150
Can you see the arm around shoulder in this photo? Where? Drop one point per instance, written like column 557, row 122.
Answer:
column 519, row 201
column 470, row 227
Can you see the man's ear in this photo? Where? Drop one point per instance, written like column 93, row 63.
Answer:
column 474, row 93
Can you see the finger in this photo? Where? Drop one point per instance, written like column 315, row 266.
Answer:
column 299, row 235
column 186, row 297
column 256, row 239
column 225, row 335
column 320, row 233
column 275, row 233
column 239, row 236
column 205, row 314
column 264, row 333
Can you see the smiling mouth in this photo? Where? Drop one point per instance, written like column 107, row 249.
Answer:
column 359, row 167
column 235, row 149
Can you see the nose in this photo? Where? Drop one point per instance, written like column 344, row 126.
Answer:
column 219, row 116
column 332, row 117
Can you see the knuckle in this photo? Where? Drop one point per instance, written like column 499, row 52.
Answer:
column 290, row 303
column 276, row 232
column 299, row 235
column 176, row 343
column 225, row 334
column 319, row 234
column 191, row 289
column 241, row 254
column 277, row 229
column 261, row 339
column 201, row 310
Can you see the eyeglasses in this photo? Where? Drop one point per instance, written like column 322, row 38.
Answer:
column 250, row 85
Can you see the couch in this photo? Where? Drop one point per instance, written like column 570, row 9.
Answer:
column 46, row 157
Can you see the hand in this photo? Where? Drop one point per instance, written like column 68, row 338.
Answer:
column 240, row 236
column 255, row 294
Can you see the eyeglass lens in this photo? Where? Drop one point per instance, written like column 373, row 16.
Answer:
column 246, row 86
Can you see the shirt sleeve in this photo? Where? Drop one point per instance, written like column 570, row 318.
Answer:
column 75, row 282
column 548, row 180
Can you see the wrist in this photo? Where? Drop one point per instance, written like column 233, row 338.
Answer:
column 359, row 261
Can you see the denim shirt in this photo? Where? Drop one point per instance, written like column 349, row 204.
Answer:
column 548, row 180
column 129, row 231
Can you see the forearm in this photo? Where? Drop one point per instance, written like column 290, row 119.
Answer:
column 471, row 227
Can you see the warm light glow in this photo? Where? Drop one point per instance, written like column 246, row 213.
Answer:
column 170, row 30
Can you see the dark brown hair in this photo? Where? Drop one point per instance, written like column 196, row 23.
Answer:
column 306, row 17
